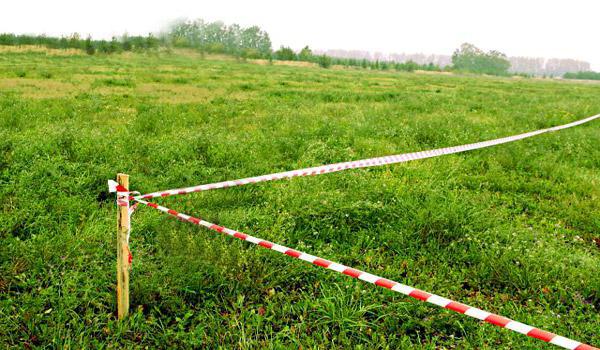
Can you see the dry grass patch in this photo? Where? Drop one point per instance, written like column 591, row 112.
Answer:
column 38, row 88
column 43, row 49
column 263, row 62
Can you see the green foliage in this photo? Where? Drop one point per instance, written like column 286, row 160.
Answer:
column 90, row 46
column 583, row 75
column 324, row 61
column 410, row 66
column 216, row 37
column 285, row 54
column 305, row 54
column 469, row 58
column 510, row 229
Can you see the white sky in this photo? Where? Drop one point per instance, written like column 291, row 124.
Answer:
column 561, row 29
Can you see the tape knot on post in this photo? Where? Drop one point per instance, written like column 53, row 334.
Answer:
column 122, row 193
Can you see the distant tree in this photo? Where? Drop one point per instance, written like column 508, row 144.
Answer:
column 74, row 41
column 256, row 39
column 232, row 39
column 472, row 59
column 430, row 66
column 103, row 46
column 138, row 42
column 285, row 54
column 216, row 37
column 587, row 75
column 115, row 45
column 88, row 46
column 152, row 42
column 324, row 61
column 126, row 43
column 8, row 39
column 305, row 54
column 408, row 66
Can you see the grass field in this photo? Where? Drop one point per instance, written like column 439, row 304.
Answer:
column 513, row 229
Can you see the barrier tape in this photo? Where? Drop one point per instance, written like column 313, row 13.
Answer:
column 364, row 163
column 123, row 196
column 385, row 283
column 132, row 209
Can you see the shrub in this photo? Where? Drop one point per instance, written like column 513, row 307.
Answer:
column 305, row 54
column 324, row 61
column 285, row 54
column 89, row 46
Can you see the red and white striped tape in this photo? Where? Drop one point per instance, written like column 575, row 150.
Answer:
column 122, row 193
column 132, row 210
column 123, row 197
column 364, row 163
column 385, row 283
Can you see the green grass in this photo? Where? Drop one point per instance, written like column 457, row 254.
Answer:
column 512, row 229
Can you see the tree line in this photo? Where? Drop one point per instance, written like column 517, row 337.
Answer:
column 253, row 42
column 306, row 54
column 587, row 75
column 74, row 41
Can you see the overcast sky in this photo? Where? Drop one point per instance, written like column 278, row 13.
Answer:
column 561, row 29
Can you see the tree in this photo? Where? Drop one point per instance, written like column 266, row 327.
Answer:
column 88, row 46
column 305, row 54
column 256, row 39
column 152, row 42
column 8, row 39
column 324, row 61
column 217, row 37
column 115, row 45
column 74, row 41
column 125, row 42
column 472, row 59
column 285, row 54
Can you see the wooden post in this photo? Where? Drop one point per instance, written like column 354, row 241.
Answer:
column 122, row 252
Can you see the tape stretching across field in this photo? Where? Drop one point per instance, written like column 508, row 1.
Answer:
column 364, row 163
column 385, row 283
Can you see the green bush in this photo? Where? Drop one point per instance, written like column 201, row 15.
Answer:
column 324, row 61
column 285, row 54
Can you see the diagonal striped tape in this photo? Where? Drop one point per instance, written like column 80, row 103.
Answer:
column 385, row 283
column 364, row 163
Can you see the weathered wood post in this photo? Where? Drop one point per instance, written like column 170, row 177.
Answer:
column 122, row 247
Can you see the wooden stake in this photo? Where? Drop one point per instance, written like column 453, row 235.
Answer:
column 122, row 253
